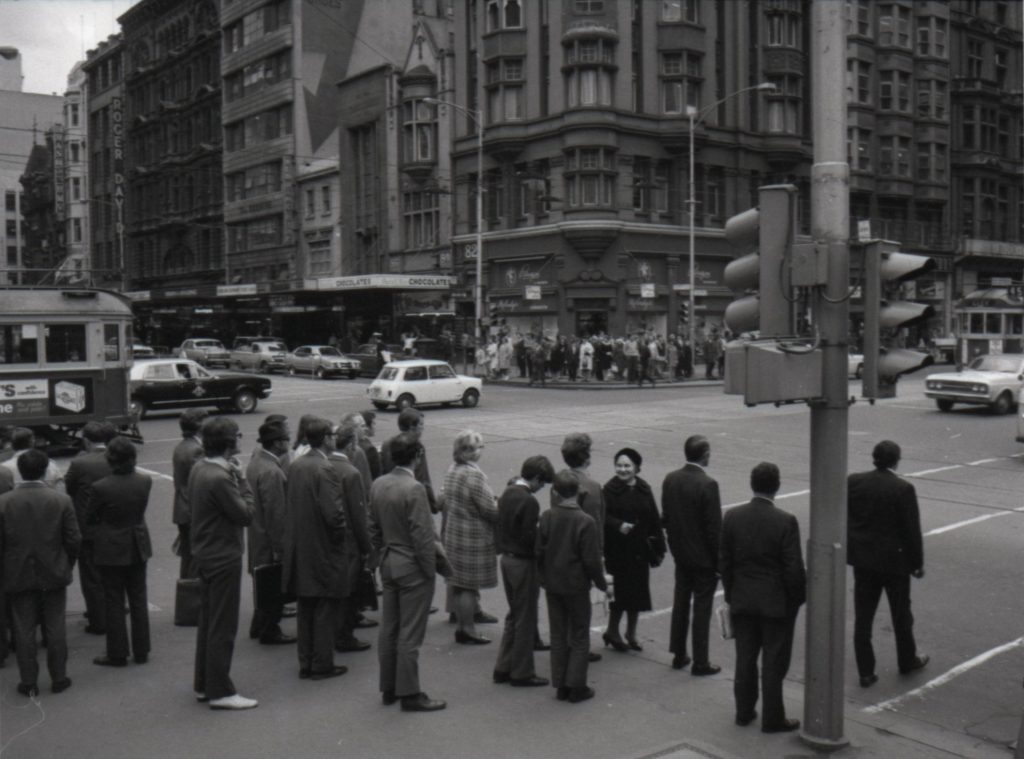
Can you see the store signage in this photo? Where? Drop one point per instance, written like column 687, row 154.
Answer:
column 138, row 295
column 229, row 290
column 647, row 290
column 189, row 292
column 59, row 172
column 512, row 274
column 863, row 230
column 386, row 281
column 532, row 292
column 117, row 131
column 642, row 304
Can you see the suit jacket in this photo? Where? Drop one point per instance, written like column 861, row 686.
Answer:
column 357, row 535
column 761, row 565
column 267, row 478
column 691, row 513
column 883, row 523
column 221, row 503
column 314, row 548
column 372, row 457
column 85, row 469
column 591, row 499
column 39, row 538
column 6, row 480
column 186, row 454
column 515, row 533
column 117, row 510
column 568, row 556
column 422, row 472
column 401, row 530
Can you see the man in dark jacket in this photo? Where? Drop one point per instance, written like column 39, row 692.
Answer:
column 39, row 541
column 515, row 539
column 186, row 454
column 765, row 585
column 86, row 468
column 314, row 552
column 885, row 549
column 569, row 562
column 221, row 502
column 691, row 513
column 411, row 422
column 268, row 480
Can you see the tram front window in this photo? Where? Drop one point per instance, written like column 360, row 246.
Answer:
column 65, row 343
column 18, row 344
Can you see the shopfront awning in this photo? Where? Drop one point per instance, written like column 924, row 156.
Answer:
column 386, row 282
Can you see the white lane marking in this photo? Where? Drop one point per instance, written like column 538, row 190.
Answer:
column 979, row 462
column 944, row 678
column 656, row 613
column 973, row 520
column 794, row 494
column 151, row 473
column 924, row 472
column 152, row 606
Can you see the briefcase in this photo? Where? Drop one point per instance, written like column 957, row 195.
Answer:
column 266, row 587
column 186, row 602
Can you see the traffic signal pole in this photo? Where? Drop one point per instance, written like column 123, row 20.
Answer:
column 826, row 545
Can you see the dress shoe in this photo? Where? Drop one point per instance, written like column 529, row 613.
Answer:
column 26, row 689
column 289, row 611
column 335, row 671
column 201, row 697
column 366, row 622
column 353, row 645
column 433, row 610
column 632, row 643
column 61, row 685
column 539, row 645
column 679, row 662
column 470, row 640
column 141, row 658
column 235, row 702
column 703, row 670
column 786, row 726
column 616, row 643
column 593, row 656
column 95, row 630
column 744, row 721
column 107, row 661
column 483, row 618
column 388, row 698
column 866, row 681
column 562, row 694
column 278, row 640
column 918, row 663
column 305, row 674
column 421, row 702
column 529, row 682
column 580, row 694
column 501, row 677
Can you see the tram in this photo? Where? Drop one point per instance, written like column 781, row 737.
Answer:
column 65, row 356
column 990, row 320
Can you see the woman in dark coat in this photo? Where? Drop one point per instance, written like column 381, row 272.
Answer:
column 633, row 543
column 117, row 506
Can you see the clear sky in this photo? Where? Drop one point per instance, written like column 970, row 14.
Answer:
column 53, row 35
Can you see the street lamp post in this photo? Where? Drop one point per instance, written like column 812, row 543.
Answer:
column 695, row 117
column 477, row 117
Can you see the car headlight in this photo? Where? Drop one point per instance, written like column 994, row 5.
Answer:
column 981, row 388
column 930, row 385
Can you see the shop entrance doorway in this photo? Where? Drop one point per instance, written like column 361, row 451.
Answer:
column 589, row 323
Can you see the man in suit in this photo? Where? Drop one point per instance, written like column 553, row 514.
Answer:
column 515, row 539
column 885, row 549
column 411, row 422
column 267, row 478
column 765, row 585
column 22, row 440
column 314, row 552
column 367, row 445
column 6, row 486
column 568, row 563
column 221, row 502
column 692, row 515
column 86, row 468
column 402, row 534
column 186, row 454
column 357, row 537
column 39, row 541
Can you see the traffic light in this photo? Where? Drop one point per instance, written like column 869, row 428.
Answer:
column 885, row 267
column 765, row 235
column 684, row 312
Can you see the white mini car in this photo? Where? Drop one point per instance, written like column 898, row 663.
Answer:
column 990, row 380
column 419, row 382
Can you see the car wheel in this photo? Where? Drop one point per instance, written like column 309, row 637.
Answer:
column 245, row 401
column 860, row 371
column 319, row 373
column 291, row 371
column 137, row 407
column 944, row 405
column 353, row 375
column 405, row 401
column 470, row 398
column 1003, row 404
column 379, row 406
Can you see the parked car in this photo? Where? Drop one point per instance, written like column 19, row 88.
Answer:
column 174, row 383
column 321, row 361
column 205, row 351
column 990, row 380
column 366, row 355
column 142, row 351
column 417, row 382
column 855, row 365
column 259, row 356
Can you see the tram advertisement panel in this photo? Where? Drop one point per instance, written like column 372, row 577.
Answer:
column 56, row 396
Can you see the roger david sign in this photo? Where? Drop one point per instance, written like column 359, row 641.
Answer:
column 24, row 397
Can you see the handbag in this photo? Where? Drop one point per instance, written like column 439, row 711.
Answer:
column 725, row 621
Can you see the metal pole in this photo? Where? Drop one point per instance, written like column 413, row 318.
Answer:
column 692, row 315
column 479, row 224
column 826, row 545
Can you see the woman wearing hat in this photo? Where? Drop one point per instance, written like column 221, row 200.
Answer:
column 633, row 543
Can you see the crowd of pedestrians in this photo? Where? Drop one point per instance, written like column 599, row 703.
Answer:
column 637, row 357
column 330, row 511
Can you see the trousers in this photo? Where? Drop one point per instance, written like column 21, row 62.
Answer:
column 569, row 618
column 405, row 606
column 698, row 585
column 219, row 597
column 29, row 608
column 771, row 638
column 867, row 592
column 522, row 589
column 119, row 582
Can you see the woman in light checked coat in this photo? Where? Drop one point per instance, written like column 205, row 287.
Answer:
column 471, row 512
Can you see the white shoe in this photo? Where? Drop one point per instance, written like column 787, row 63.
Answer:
column 234, row 702
column 201, row 697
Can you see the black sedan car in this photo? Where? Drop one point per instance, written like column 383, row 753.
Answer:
column 176, row 383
